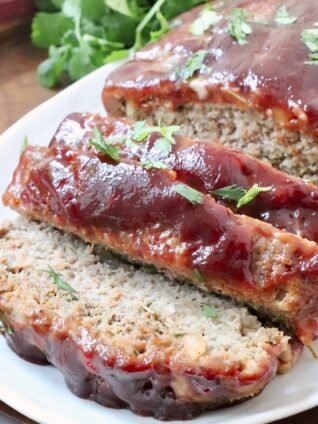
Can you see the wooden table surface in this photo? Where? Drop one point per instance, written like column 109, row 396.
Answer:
column 19, row 93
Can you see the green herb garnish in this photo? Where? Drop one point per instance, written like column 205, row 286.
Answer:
column 99, row 142
column 239, row 194
column 179, row 334
column 82, row 35
column 140, row 131
column 192, row 65
column 148, row 164
column 10, row 330
column 24, row 144
column 238, row 28
column 206, row 19
column 283, row 18
column 60, row 283
column 209, row 311
column 189, row 193
column 310, row 38
column 198, row 275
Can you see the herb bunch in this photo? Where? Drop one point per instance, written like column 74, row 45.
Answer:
column 82, row 35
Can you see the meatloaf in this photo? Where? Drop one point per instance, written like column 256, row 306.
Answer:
column 126, row 338
column 150, row 217
column 256, row 90
column 291, row 204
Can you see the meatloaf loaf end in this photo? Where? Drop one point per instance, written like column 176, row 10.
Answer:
column 127, row 338
column 258, row 97
column 148, row 216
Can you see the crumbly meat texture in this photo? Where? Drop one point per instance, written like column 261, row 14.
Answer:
column 125, row 337
column 139, row 213
column 258, row 97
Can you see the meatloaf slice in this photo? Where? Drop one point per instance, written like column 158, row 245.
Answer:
column 259, row 96
column 148, row 216
column 123, row 337
column 291, row 204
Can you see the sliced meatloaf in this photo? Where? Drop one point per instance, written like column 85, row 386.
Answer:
column 150, row 217
column 256, row 90
column 126, row 338
column 291, row 204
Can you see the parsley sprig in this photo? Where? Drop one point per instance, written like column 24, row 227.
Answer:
column 238, row 28
column 283, row 17
column 100, row 143
column 60, row 283
column 189, row 193
column 310, row 38
column 239, row 194
column 206, row 19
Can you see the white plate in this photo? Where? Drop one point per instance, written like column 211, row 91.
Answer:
column 40, row 392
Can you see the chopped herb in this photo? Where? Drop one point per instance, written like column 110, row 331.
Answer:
column 148, row 164
column 140, row 131
column 192, row 65
column 239, row 194
column 198, row 275
column 189, row 193
column 10, row 330
column 99, row 142
column 179, row 334
column 283, row 18
column 24, row 144
column 206, row 19
column 209, row 311
column 60, row 283
column 232, row 192
column 238, row 27
column 310, row 38
column 251, row 194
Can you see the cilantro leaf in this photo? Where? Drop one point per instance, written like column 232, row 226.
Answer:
column 189, row 193
column 209, row 311
column 283, row 18
column 198, row 275
column 206, row 19
column 99, row 142
column 310, row 38
column 10, row 330
column 239, row 194
column 49, row 28
column 24, row 144
column 238, row 28
column 163, row 145
column 232, row 192
column 148, row 164
column 192, row 65
column 49, row 72
column 251, row 194
column 60, row 283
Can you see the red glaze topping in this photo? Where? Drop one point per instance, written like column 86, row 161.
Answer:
column 268, row 73
column 77, row 190
column 292, row 204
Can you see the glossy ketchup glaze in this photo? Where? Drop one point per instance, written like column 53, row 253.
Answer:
column 145, row 390
column 292, row 204
column 122, row 201
column 269, row 73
